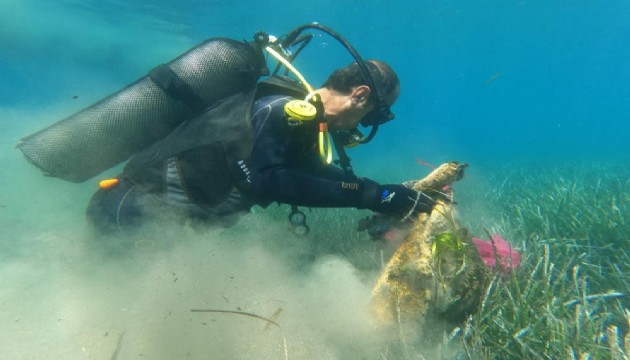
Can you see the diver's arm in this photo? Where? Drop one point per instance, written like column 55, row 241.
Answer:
column 295, row 186
column 292, row 186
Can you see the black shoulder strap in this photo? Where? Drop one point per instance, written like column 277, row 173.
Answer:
column 280, row 85
column 164, row 77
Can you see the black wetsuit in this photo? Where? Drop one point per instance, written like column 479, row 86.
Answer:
column 286, row 166
column 197, row 173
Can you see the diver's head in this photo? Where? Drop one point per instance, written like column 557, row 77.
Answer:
column 351, row 100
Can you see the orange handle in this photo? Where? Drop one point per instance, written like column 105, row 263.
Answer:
column 108, row 183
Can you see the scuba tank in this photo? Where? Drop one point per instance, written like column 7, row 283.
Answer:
column 108, row 132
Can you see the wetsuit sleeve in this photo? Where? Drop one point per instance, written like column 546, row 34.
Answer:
column 286, row 167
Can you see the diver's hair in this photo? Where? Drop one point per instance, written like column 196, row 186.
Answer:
column 344, row 79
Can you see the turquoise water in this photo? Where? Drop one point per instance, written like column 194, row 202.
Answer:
column 495, row 80
column 519, row 84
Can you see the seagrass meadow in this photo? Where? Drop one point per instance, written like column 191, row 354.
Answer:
column 570, row 298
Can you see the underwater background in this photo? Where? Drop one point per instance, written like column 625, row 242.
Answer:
column 533, row 95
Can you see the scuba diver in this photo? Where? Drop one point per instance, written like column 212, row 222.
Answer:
column 208, row 140
column 205, row 182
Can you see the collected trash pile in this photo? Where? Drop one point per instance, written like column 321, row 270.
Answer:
column 437, row 275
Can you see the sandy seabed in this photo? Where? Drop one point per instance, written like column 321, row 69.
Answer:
column 66, row 297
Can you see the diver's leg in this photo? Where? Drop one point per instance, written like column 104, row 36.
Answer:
column 114, row 209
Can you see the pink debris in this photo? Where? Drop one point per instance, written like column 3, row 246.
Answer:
column 395, row 236
column 510, row 258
